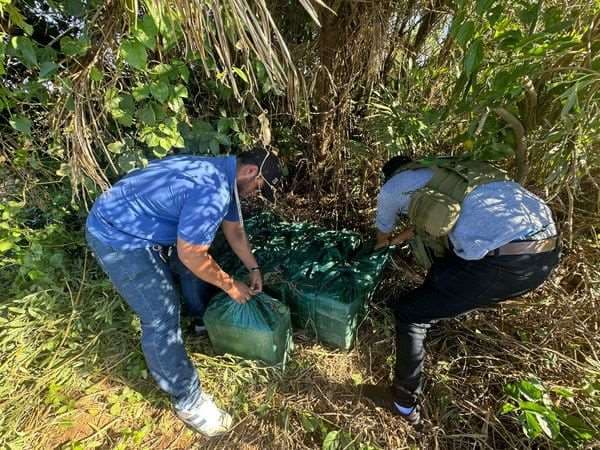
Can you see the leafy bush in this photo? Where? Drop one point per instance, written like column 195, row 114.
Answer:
column 540, row 415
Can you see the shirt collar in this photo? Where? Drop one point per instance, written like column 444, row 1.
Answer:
column 231, row 171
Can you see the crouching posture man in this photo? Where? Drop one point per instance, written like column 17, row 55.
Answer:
column 484, row 239
column 182, row 201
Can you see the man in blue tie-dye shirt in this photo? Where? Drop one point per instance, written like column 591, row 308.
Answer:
column 179, row 201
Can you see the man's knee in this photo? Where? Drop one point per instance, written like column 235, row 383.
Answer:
column 163, row 324
column 406, row 311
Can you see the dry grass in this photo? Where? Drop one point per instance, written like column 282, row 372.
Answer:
column 87, row 347
column 229, row 32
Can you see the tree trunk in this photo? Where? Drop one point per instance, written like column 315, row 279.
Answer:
column 352, row 45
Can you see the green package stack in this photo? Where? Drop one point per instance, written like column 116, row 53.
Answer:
column 329, row 304
column 259, row 329
column 324, row 276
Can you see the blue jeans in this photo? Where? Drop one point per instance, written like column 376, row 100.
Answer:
column 146, row 283
column 195, row 293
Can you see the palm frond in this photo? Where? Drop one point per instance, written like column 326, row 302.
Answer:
column 233, row 33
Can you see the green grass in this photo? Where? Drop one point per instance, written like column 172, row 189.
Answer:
column 73, row 377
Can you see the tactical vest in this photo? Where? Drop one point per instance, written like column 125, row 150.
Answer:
column 435, row 208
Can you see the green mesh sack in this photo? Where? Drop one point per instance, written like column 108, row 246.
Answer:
column 259, row 329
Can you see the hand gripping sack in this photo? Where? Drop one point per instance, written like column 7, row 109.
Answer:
column 259, row 329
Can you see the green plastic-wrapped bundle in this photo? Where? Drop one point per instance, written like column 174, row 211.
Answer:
column 259, row 329
column 330, row 304
column 323, row 275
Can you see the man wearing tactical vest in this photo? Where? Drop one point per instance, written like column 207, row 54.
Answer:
column 484, row 239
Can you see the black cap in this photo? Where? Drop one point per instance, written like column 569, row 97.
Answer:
column 269, row 168
column 390, row 167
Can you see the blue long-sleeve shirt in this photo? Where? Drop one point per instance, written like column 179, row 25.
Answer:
column 492, row 215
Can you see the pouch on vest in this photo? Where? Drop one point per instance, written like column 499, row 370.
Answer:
column 433, row 212
column 420, row 251
column 435, row 208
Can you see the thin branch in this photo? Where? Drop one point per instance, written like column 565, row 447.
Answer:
column 520, row 151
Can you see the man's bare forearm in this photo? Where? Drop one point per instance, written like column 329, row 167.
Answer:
column 201, row 263
column 385, row 239
column 236, row 237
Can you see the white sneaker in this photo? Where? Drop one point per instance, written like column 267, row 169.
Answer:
column 206, row 417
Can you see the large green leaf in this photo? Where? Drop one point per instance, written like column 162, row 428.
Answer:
column 5, row 245
column 310, row 423
column 225, row 124
column 562, row 391
column 545, row 418
column 332, row 441
column 116, row 147
column 162, row 70
column 534, row 407
column 96, row 74
column 160, row 90
column 135, row 54
column 146, row 32
column 183, row 71
column 47, row 69
column 571, row 100
column 507, row 408
column 549, row 425
column 175, row 104
column 74, row 47
column 121, row 107
column 473, row 57
column 25, row 49
column 21, row 124
column 482, row 6
column 502, row 81
column 146, row 115
column 15, row 16
column 531, row 390
column 180, row 91
column 531, row 427
column 578, row 426
column 141, row 92
column 132, row 159
column 465, row 32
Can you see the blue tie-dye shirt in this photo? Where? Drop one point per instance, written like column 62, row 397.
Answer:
column 180, row 196
column 492, row 215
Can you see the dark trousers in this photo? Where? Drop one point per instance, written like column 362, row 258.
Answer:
column 452, row 287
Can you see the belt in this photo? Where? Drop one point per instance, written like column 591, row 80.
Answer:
column 526, row 247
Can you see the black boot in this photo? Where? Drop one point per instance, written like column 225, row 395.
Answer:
column 386, row 397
